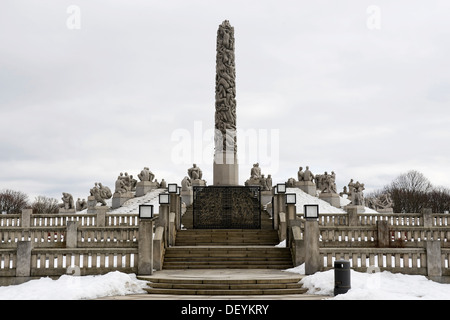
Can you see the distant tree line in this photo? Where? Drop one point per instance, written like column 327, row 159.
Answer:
column 12, row 202
column 411, row 192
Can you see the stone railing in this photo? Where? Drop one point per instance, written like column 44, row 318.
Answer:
column 406, row 243
column 83, row 244
column 28, row 219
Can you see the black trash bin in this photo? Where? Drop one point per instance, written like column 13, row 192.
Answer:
column 341, row 276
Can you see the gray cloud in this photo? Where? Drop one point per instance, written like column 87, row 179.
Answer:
column 80, row 106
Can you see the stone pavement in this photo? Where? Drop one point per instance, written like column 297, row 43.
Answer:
column 208, row 274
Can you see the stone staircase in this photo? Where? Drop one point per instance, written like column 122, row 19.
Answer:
column 211, row 254
column 253, row 284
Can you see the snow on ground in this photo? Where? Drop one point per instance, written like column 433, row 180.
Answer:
column 324, row 207
column 132, row 205
column 376, row 286
column 364, row 286
column 75, row 288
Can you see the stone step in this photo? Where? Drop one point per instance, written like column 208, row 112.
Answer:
column 197, row 285
column 213, row 257
column 239, row 292
column 213, row 237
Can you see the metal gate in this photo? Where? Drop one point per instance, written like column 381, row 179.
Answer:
column 227, row 207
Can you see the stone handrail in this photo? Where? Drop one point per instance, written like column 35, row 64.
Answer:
column 83, row 261
column 55, row 237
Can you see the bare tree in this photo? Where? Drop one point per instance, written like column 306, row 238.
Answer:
column 12, row 202
column 43, row 204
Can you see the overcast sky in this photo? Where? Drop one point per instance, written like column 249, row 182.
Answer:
column 89, row 89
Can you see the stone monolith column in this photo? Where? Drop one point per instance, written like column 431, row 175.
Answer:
column 225, row 168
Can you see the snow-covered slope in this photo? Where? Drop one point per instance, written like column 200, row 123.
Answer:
column 324, row 207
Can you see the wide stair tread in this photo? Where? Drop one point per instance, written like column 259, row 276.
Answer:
column 213, row 257
column 225, row 286
column 226, row 237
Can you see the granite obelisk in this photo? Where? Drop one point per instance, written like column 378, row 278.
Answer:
column 225, row 168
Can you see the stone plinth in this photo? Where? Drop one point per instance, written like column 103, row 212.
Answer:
column 198, row 183
column 359, row 209
column 385, row 210
column 66, row 211
column 119, row 199
column 98, row 209
column 91, row 202
column 308, row 187
column 144, row 187
column 226, row 174
column 331, row 198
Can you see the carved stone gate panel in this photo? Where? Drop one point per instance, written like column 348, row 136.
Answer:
column 227, row 207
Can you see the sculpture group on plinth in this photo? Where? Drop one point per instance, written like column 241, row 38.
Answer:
column 258, row 179
column 355, row 194
column 68, row 205
column 305, row 181
column 194, row 178
column 98, row 194
column 146, row 183
column 381, row 203
column 125, row 185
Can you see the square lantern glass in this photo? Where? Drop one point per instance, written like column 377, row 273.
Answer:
column 145, row 211
column 311, row 211
column 291, row 198
column 281, row 188
column 173, row 188
column 164, row 198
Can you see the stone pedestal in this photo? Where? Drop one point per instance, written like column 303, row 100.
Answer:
column 225, row 169
column 144, row 187
column 386, row 210
column 66, row 211
column 198, row 182
column 331, row 198
column 187, row 197
column 98, row 209
column 359, row 209
column 91, row 203
column 308, row 187
column 119, row 199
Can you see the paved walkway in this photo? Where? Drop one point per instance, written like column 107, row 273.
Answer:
column 234, row 274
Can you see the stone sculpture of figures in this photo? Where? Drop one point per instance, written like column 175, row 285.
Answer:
column 269, row 182
column 186, row 184
column 358, row 197
column 300, row 174
column 326, row 183
column 308, row 175
column 146, row 175
column 120, row 184
column 125, row 183
column 355, row 192
column 101, row 193
column 195, row 173
column 81, row 204
column 258, row 179
column 255, row 172
column 67, row 201
column 381, row 202
column 225, row 116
